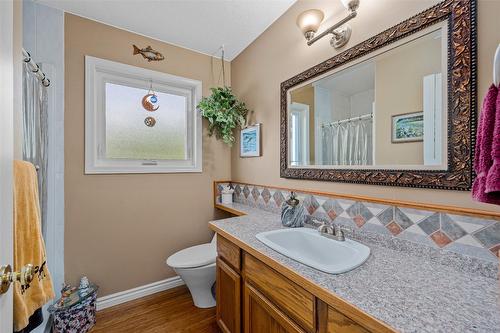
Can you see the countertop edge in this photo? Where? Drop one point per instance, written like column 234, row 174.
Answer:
column 325, row 295
column 229, row 210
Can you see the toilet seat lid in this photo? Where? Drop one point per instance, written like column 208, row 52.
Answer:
column 194, row 256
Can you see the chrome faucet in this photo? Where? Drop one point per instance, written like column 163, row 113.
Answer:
column 333, row 231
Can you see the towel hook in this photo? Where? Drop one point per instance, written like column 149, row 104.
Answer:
column 496, row 67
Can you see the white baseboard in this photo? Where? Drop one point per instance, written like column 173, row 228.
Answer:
column 135, row 293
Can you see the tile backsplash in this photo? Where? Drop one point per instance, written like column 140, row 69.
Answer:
column 473, row 236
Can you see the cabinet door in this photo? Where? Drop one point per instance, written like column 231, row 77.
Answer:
column 262, row 316
column 228, row 298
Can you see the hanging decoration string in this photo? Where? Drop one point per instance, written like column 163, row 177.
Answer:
column 223, row 68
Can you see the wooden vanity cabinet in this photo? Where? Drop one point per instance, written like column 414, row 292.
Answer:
column 252, row 297
column 228, row 286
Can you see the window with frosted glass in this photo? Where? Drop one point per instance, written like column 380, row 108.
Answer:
column 127, row 136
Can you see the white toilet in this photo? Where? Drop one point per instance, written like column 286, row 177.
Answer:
column 196, row 267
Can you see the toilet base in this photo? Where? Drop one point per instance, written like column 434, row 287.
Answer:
column 199, row 282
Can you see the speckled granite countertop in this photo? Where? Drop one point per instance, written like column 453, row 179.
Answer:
column 408, row 292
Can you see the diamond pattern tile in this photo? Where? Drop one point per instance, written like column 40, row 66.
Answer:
column 311, row 204
column 489, row 236
column 401, row 219
column 496, row 250
column 278, row 198
column 387, row 216
column 237, row 189
column 440, row 238
column 364, row 212
column 332, row 214
column 394, row 228
column 359, row 220
column 353, row 210
column 255, row 194
column 450, row 228
column 266, row 195
column 430, row 224
column 441, row 229
column 246, row 191
column 332, row 208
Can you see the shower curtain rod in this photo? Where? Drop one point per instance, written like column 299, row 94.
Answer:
column 35, row 69
column 368, row 115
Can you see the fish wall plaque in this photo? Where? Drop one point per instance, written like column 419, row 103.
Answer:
column 148, row 53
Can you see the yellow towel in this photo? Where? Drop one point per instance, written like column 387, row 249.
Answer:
column 29, row 247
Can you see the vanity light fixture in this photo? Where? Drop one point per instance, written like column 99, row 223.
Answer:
column 310, row 20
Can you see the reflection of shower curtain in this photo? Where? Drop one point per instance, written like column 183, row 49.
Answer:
column 35, row 127
column 348, row 143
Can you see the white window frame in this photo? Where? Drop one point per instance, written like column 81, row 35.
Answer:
column 98, row 72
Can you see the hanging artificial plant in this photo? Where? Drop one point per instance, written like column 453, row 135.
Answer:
column 223, row 111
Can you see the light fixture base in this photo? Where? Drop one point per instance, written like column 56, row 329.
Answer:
column 309, row 35
column 341, row 36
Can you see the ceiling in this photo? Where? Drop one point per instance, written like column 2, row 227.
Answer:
column 200, row 25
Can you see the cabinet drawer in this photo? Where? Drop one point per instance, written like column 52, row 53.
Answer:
column 338, row 323
column 261, row 315
column 288, row 296
column 229, row 252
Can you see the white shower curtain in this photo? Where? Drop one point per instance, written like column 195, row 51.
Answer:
column 35, row 139
column 348, row 143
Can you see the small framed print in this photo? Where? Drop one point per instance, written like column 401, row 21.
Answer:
column 250, row 141
column 408, row 127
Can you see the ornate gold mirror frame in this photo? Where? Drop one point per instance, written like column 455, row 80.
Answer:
column 461, row 19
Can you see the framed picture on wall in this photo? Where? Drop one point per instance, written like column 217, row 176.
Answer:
column 408, row 127
column 250, row 142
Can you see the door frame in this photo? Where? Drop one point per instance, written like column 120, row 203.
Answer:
column 6, row 152
column 304, row 141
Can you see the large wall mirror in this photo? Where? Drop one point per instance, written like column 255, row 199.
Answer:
column 397, row 109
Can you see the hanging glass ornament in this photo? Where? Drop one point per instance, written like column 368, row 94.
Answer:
column 150, row 121
column 150, row 100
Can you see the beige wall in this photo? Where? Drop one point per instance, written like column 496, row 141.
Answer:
column 399, row 89
column 281, row 52
column 119, row 229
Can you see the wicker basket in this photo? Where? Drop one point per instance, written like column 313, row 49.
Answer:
column 78, row 318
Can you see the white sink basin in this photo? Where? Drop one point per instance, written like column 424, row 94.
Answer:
column 307, row 246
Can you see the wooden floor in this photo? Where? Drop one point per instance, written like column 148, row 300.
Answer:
column 170, row 311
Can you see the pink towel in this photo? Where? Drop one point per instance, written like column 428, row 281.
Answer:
column 493, row 176
column 484, row 141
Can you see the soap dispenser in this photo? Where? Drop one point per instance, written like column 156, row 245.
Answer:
column 293, row 214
